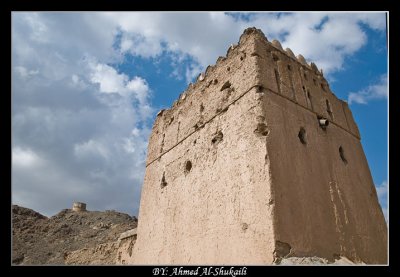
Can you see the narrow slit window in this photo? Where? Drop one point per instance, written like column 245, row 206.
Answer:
column 278, row 82
column 328, row 108
column 342, row 156
column 310, row 100
column 163, row 182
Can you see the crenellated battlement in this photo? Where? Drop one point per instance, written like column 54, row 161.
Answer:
column 254, row 32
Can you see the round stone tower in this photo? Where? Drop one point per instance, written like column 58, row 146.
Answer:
column 79, row 207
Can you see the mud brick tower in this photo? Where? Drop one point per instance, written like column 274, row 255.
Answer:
column 257, row 161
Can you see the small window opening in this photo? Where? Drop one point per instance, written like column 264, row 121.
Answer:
column 188, row 166
column 342, row 156
column 289, row 67
column 226, row 85
column 163, row 182
column 218, row 138
column 328, row 108
column 302, row 136
column 305, row 76
column 277, row 79
column 310, row 100
column 315, row 81
column 229, row 69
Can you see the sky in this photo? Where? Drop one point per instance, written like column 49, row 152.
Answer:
column 86, row 87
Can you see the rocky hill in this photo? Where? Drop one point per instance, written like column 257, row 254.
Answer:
column 37, row 239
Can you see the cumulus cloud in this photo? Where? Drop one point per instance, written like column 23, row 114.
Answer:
column 24, row 158
column 382, row 191
column 378, row 90
column 73, row 115
column 80, row 125
column 25, row 73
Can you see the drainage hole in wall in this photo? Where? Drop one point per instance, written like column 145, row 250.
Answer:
column 188, row 166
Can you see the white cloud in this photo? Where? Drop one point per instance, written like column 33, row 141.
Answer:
column 90, row 148
column 382, row 191
column 378, row 90
column 73, row 114
column 25, row 73
column 108, row 79
column 24, row 158
column 376, row 21
column 140, row 88
column 111, row 81
column 192, row 71
column 134, row 90
column 140, row 45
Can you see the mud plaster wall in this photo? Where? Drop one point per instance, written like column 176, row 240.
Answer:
column 125, row 248
column 323, row 205
column 210, row 214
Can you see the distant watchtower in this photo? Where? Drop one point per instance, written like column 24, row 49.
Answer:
column 257, row 161
column 79, row 207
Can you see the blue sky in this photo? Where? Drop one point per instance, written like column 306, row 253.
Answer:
column 86, row 88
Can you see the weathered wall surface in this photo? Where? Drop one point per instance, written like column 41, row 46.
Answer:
column 324, row 205
column 228, row 181
column 126, row 243
column 209, row 213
